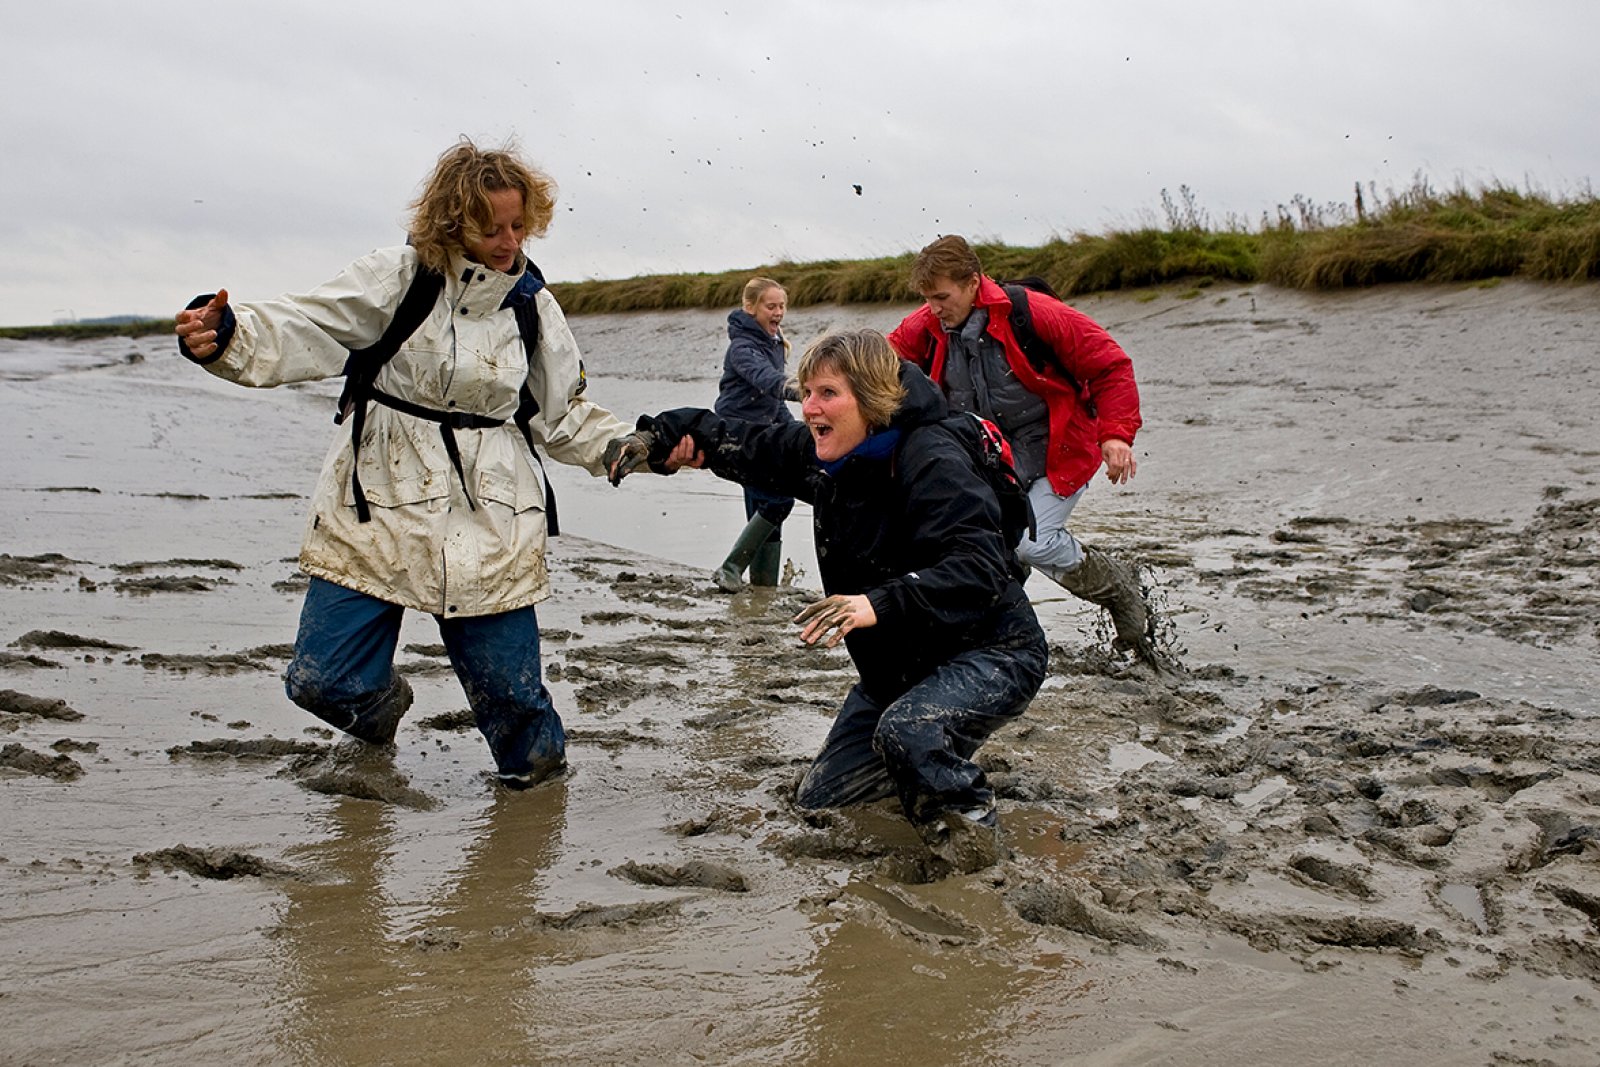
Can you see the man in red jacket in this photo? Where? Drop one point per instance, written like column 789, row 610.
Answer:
column 1063, row 419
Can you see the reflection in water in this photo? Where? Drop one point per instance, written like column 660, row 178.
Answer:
column 363, row 993
column 901, row 980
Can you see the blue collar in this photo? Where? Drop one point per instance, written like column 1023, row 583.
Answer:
column 876, row 446
column 527, row 287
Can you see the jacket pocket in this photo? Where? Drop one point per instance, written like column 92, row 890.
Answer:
column 399, row 492
column 517, row 493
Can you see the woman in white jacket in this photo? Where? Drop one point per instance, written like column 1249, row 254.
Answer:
column 434, row 501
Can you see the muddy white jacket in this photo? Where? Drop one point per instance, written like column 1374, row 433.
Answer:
column 451, row 545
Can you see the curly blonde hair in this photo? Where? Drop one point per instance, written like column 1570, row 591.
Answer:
column 454, row 210
column 865, row 360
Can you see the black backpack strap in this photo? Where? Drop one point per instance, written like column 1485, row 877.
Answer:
column 449, row 422
column 1038, row 351
column 527, row 313
column 363, row 364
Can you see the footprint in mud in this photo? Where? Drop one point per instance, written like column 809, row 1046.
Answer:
column 609, row 695
column 631, row 653
column 62, row 768
column 592, row 916
column 1323, row 873
column 32, row 707
column 457, row 721
column 27, row 661
column 895, row 909
column 1052, row 904
column 261, row 748
column 698, row 874
column 220, row 864
column 22, row 570
column 214, row 663
column 210, row 564
column 354, row 769
column 612, row 740
column 168, row 583
column 42, row 639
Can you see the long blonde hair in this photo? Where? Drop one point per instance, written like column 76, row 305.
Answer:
column 454, row 209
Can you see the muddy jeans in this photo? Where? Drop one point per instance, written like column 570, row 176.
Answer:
column 920, row 746
column 343, row 666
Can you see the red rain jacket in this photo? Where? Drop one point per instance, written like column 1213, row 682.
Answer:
column 1102, row 368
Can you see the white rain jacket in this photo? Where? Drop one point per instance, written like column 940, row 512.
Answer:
column 425, row 547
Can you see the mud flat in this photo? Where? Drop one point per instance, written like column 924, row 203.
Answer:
column 1359, row 814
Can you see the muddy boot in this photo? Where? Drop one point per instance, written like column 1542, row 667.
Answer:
column 769, row 558
column 967, row 841
column 377, row 725
column 542, row 771
column 1101, row 580
column 751, row 538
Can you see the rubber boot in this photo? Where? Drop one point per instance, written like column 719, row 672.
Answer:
column 377, row 725
column 751, row 538
column 769, row 558
column 966, row 841
column 1101, row 580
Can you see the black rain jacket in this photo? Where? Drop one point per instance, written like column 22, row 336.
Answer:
column 918, row 531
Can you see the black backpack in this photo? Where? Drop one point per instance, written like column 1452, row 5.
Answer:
column 1039, row 354
column 991, row 454
column 361, row 372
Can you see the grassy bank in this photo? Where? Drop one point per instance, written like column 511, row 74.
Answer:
column 77, row 331
column 1414, row 235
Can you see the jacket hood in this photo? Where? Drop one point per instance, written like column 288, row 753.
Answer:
column 743, row 324
column 924, row 401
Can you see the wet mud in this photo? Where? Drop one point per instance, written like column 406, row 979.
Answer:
column 1357, row 808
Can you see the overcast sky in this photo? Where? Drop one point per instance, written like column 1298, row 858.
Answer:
column 152, row 150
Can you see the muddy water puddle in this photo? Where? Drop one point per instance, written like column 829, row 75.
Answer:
column 1367, row 788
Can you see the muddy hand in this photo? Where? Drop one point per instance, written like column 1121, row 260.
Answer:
column 197, row 329
column 624, row 455
column 838, row 614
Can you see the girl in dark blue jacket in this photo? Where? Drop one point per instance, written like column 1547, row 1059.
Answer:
column 754, row 387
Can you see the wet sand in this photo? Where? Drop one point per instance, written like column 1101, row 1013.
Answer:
column 1361, row 814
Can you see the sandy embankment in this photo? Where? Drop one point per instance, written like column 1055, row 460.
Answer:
column 1362, row 817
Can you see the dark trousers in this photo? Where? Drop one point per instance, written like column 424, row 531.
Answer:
column 343, row 666
column 772, row 508
column 919, row 747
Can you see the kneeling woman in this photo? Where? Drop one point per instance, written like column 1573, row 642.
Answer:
column 918, row 575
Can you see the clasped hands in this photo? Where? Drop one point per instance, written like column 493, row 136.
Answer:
column 626, row 454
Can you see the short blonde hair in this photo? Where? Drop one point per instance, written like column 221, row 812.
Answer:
column 454, row 209
column 867, row 363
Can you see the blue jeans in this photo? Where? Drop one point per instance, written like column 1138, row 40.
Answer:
column 343, row 667
column 1056, row 552
column 919, row 747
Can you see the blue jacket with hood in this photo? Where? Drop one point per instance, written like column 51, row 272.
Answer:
column 753, row 377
